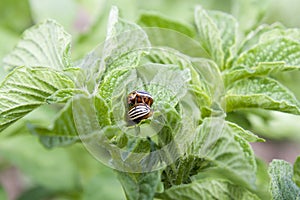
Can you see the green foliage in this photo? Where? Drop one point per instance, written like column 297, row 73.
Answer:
column 208, row 189
column 197, row 73
column 53, row 53
column 282, row 185
column 24, row 89
column 296, row 176
column 261, row 93
column 224, row 149
column 139, row 186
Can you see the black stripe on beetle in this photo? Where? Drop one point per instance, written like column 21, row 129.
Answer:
column 139, row 112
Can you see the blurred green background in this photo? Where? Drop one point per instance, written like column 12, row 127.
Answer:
column 28, row 171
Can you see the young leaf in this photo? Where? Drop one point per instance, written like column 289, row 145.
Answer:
column 296, row 176
column 157, row 20
column 254, row 36
column 282, row 186
column 263, row 93
column 227, row 27
column 112, row 80
column 139, row 186
column 224, row 146
column 291, row 33
column 279, row 49
column 209, row 35
column 44, row 45
column 208, row 189
column 209, row 74
column 125, row 43
column 24, row 89
column 247, row 135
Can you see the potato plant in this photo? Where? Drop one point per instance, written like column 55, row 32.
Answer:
column 197, row 74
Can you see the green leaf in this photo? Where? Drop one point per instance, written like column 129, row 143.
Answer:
column 44, row 45
column 282, row 186
column 198, row 71
column 111, row 81
column 63, row 95
column 125, row 42
column 208, row 189
column 290, row 33
column 263, row 93
column 24, row 89
column 139, row 186
column 227, row 27
column 262, row 69
column 157, row 20
column 247, row 135
column 254, row 36
column 169, row 83
column 224, row 146
column 61, row 132
column 262, row 180
column 211, row 85
column 209, row 35
column 52, row 169
column 278, row 49
column 296, row 176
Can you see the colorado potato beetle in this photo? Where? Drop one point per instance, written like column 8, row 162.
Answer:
column 137, row 97
column 139, row 111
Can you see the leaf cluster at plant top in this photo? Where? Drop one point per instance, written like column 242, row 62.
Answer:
column 221, row 75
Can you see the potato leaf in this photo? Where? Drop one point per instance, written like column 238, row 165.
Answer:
column 24, row 89
column 282, row 186
column 263, row 93
column 157, row 20
column 209, row 35
column 139, row 186
column 208, row 189
column 223, row 145
column 44, row 45
column 275, row 50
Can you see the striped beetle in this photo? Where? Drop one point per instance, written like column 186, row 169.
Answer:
column 139, row 97
column 139, row 111
column 139, row 103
